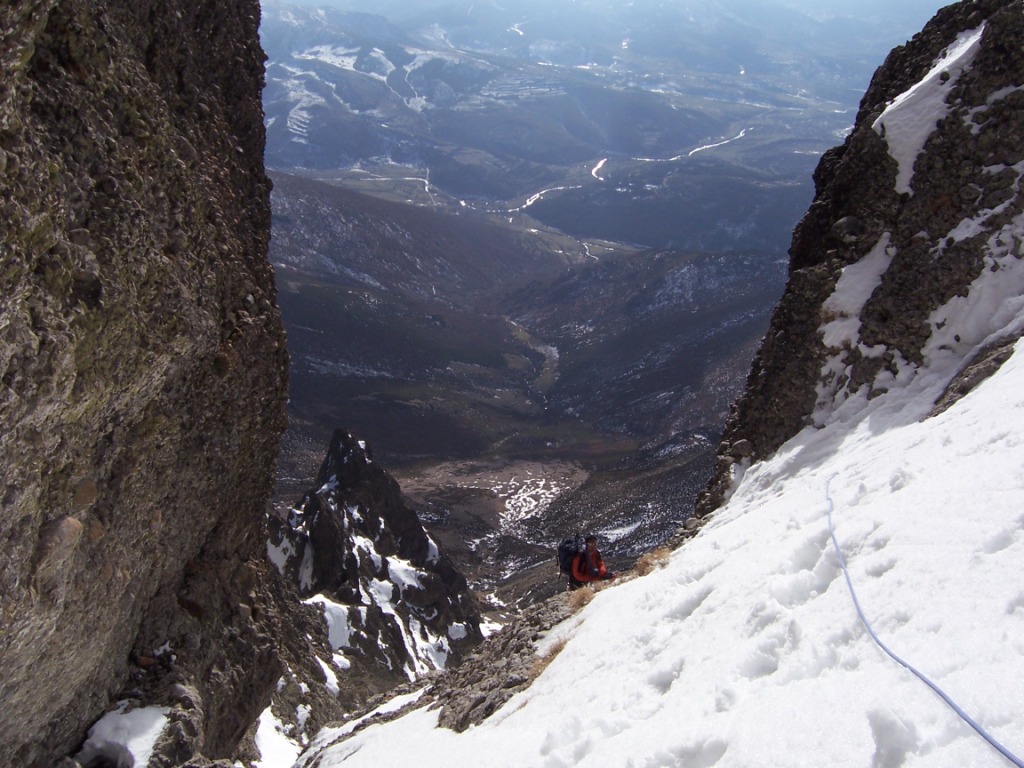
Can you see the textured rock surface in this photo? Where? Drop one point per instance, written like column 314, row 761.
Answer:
column 970, row 168
column 142, row 372
column 503, row 666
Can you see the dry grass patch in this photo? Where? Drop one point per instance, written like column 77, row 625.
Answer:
column 541, row 662
column 580, row 597
column 649, row 561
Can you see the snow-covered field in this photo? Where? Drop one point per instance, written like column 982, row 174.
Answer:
column 523, row 491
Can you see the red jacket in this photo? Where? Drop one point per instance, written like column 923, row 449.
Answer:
column 587, row 567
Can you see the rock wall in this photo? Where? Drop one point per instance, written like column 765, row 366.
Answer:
column 142, row 371
column 866, row 205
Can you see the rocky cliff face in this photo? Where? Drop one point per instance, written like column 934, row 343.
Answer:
column 142, row 372
column 910, row 213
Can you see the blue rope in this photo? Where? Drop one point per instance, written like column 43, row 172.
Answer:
column 942, row 694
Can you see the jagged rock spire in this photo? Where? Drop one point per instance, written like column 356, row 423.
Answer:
column 396, row 605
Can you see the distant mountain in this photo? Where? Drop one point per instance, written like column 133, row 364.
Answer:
column 903, row 19
column 365, row 243
column 388, row 303
column 642, row 336
column 689, row 126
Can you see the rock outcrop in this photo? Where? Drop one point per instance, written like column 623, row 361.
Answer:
column 396, row 606
column 142, row 373
column 919, row 211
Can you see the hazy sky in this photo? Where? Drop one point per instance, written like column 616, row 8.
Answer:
column 896, row 20
column 865, row 8
column 922, row 9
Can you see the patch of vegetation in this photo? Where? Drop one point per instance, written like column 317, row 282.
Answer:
column 650, row 561
column 543, row 661
column 580, row 598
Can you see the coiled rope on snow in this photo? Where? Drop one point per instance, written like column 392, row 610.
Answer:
column 920, row 676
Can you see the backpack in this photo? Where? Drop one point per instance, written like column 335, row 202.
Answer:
column 567, row 550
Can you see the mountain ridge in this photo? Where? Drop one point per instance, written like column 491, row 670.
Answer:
column 510, row 132
column 924, row 257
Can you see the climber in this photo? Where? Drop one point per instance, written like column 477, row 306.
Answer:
column 588, row 565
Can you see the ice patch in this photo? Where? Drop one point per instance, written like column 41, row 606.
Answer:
column 280, row 553
column 404, row 574
column 330, row 676
column 276, row 748
column 841, row 331
column 339, row 628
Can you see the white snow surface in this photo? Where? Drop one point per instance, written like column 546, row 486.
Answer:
column 339, row 625
column 841, row 332
column 330, row 675
column 746, row 648
column 524, row 494
column 275, row 746
column 125, row 738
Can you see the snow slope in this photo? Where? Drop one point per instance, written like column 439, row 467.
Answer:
column 746, row 649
